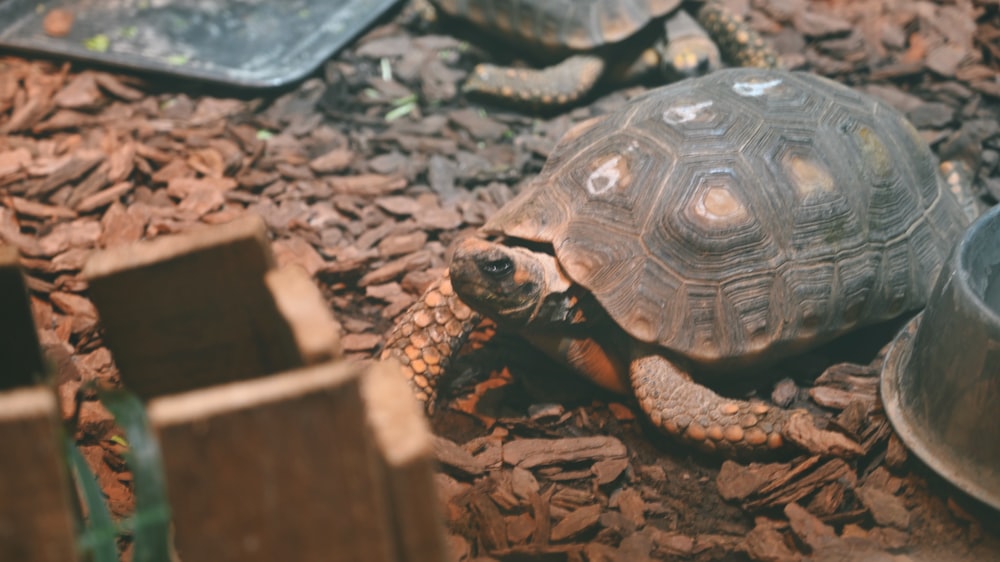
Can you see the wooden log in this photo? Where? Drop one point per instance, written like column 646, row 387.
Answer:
column 21, row 359
column 36, row 516
column 194, row 310
column 275, row 468
column 405, row 449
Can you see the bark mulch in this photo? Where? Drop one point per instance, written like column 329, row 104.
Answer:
column 368, row 170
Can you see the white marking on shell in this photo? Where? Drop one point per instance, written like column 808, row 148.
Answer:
column 755, row 89
column 684, row 113
column 605, row 177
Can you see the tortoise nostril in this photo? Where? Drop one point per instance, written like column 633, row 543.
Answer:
column 498, row 268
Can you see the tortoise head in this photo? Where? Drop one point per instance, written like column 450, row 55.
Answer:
column 507, row 283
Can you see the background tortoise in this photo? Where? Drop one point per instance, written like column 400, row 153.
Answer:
column 614, row 39
column 709, row 226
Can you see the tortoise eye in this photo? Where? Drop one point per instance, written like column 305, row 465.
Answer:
column 498, row 268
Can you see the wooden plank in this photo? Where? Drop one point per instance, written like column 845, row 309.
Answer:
column 192, row 310
column 274, row 468
column 299, row 301
column 21, row 363
column 36, row 517
column 406, row 453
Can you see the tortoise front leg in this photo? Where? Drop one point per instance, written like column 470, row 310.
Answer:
column 428, row 335
column 696, row 415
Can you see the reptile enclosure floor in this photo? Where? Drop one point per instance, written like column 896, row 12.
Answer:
column 367, row 170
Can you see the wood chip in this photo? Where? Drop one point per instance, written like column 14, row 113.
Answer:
column 450, row 454
column 737, row 482
column 393, row 269
column 576, row 522
column 608, row 470
column 58, row 22
column 336, row 160
column 81, row 92
column 70, row 170
column 630, row 503
column 530, row 453
column 104, row 197
column 810, row 530
column 35, row 209
column 183, row 187
column 366, row 184
column 886, row 509
column 299, row 252
column 767, row 542
column 360, row 342
column 835, row 398
column 122, row 225
column 399, row 205
column 73, row 305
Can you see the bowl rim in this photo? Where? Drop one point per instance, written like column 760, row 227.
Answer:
column 964, row 474
column 962, row 263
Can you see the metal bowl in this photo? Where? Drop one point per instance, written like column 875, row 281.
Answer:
column 941, row 377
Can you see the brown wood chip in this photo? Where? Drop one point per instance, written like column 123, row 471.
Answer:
column 367, row 184
column 35, row 209
column 335, row 160
column 886, row 509
column 530, row 453
column 104, row 197
column 297, row 251
column 608, row 470
column 767, row 542
column 360, row 342
column 452, row 455
column 630, row 503
column 810, row 530
column 576, row 522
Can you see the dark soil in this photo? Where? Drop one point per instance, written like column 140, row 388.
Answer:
column 367, row 171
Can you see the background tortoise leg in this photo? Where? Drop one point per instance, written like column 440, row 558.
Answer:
column 739, row 43
column 958, row 176
column 689, row 51
column 696, row 415
column 560, row 84
column 428, row 335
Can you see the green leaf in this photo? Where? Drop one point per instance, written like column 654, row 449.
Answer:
column 98, row 43
column 99, row 537
column 385, row 68
column 151, row 523
column 400, row 111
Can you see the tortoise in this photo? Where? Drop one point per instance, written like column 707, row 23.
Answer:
column 617, row 40
column 708, row 227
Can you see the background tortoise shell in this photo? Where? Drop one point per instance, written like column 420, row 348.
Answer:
column 744, row 215
column 561, row 24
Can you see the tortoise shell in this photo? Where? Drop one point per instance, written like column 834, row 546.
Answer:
column 577, row 25
column 744, row 215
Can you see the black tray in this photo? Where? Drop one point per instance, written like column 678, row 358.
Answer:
column 254, row 43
